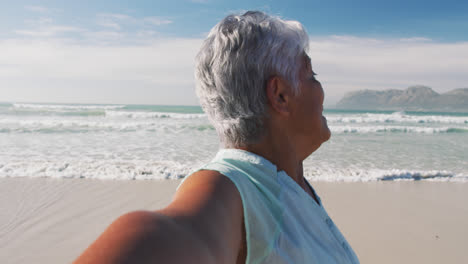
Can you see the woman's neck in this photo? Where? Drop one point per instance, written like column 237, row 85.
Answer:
column 279, row 150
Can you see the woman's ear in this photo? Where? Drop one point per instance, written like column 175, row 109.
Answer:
column 278, row 92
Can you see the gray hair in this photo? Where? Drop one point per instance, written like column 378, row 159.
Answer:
column 233, row 66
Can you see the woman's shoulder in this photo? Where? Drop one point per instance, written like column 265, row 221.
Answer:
column 208, row 184
column 213, row 203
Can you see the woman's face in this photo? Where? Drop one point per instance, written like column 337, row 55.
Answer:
column 310, row 124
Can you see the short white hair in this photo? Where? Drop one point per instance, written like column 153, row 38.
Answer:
column 239, row 56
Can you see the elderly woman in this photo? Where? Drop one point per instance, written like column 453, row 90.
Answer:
column 251, row 203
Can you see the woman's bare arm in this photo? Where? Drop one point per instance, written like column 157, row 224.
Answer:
column 203, row 224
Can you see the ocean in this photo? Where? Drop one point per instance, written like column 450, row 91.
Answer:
column 139, row 142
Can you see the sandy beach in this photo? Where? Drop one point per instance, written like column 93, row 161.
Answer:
column 44, row 220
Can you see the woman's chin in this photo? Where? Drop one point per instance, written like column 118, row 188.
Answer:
column 327, row 135
column 326, row 130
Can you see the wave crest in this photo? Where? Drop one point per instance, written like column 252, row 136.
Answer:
column 149, row 115
column 157, row 170
column 58, row 107
column 396, row 129
column 372, row 175
column 397, row 117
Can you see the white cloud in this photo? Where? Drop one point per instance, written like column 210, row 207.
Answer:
column 109, row 24
column 42, row 9
column 153, row 62
column 415, row 39
column 118, row 21
column 346, row 63
column 163, row 67
column 160, row 70
column 145, row 34
column 104, row 36
column 114, row 16
column 115, row 26
column 39, row 21
column 45, row 27
column 39, row 9
column 49, row 31
column 157, row 21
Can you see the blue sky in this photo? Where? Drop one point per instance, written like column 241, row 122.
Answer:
column 142, row 51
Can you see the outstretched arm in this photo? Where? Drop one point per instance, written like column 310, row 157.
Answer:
column 203, row 224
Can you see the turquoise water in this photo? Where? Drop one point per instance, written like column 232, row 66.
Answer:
column 167, row 142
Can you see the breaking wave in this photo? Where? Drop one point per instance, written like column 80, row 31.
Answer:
column 397, row 117
column 396, row 129
column 144, row 115
column 372, row 175
column 157, row 170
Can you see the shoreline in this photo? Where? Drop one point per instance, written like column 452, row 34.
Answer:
column 46, row 220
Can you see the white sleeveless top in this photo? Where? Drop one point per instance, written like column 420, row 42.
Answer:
column 283, row 223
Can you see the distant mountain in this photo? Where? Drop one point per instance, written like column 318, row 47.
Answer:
column 413, row 98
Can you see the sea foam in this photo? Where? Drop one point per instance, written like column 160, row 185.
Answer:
column 397, row 117
column 58, row 107
column 158, row 170
column 396, row 129
column 373, row 175
column 168, row 142
column 143, row 115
